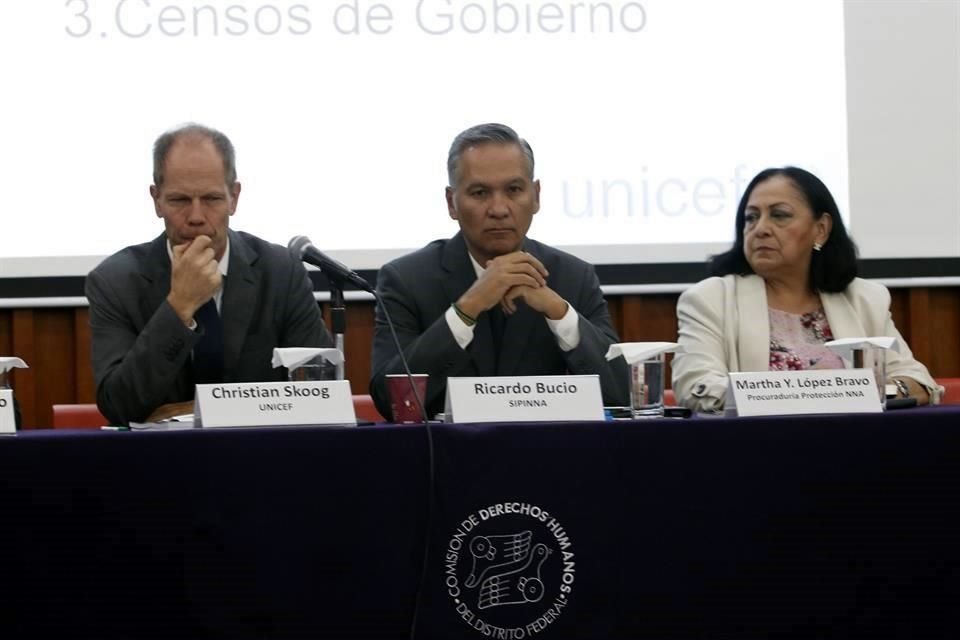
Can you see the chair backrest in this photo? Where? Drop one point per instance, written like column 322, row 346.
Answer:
column 77, row 416
column 365, row 409
column 951, row 394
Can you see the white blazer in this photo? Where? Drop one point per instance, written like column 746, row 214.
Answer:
column 724, row 326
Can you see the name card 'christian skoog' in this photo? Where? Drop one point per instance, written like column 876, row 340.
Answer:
column 8, row 423
column 258, row 404
column 523, row 399
column 765, row 393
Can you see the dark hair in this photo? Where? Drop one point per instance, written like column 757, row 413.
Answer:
column 161, row 148
column 832, row 268
column 490, row 133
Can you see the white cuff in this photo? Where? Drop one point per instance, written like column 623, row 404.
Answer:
column 567, row 329
column 462, row 332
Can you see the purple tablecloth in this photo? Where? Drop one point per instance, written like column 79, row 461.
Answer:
column 808, row 527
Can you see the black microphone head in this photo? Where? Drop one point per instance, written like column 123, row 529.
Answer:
column 297, row 245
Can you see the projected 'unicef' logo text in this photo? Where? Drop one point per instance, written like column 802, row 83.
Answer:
column 509, row 570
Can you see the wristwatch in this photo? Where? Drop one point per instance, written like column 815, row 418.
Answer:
column 902, row 387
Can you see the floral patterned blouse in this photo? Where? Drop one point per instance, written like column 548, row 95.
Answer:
column 796, row 341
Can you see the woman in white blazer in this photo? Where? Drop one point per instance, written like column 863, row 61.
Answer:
column 786, row 286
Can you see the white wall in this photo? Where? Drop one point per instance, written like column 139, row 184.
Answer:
column 676, row 86
column 903, row 78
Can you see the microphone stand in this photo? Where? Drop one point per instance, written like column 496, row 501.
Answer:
column 338, row 321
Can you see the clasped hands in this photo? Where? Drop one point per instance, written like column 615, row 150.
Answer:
column 508, row 279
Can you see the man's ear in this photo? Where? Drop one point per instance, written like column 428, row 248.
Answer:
column 536, row 196
column 235, row 196
column 451, row 206
column 155, row 195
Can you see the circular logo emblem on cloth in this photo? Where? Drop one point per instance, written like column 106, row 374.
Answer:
column 509, row 570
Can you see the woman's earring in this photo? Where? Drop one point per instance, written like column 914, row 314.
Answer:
column 817, row 246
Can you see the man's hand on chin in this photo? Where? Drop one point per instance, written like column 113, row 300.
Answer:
column 194, row 277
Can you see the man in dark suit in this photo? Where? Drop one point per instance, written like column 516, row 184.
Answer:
column 201, row 302
column 491, row 301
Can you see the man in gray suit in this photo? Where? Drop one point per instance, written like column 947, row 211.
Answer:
column 201, row 302
column 491, row 301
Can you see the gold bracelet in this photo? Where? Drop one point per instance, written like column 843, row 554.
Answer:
column 902, row 387
column 467, row 320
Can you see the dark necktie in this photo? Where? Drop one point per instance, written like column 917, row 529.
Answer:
column 208, row 352
column 498, row 325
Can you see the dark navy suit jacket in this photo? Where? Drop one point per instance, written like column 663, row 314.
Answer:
column 141, row 350
column 418, row 288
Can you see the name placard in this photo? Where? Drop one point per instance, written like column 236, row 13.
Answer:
column 766, row 393
column 523, row 399
column 260, row 404
column 8, row 423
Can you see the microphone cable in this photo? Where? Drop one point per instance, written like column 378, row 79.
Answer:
column 297, row 246
column 431, row 473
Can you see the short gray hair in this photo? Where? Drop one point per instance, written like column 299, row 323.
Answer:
column 163, row 144
column 489, row 133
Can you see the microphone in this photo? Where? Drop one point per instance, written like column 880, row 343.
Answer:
column 302, row 249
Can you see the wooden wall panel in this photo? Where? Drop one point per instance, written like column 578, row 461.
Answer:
column 56, row 342
column 920, row 341
column 25, row 381
column 943, row 332
column 356, row 345
column 82, row 369
column 647, row 318
column 6, row 332
column 615, row 307
column 650, row 318
column 900, row 310
column 55, row 361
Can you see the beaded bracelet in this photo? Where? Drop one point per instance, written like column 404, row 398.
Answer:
column 467, row 320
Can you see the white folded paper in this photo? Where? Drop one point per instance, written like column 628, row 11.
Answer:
column 293, row 357
column 844, row 346
column 174, row 423
column 634, row 352
column 10, row 362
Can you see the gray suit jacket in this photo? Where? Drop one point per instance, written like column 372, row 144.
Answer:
column 418, row 288
column 141, row 350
